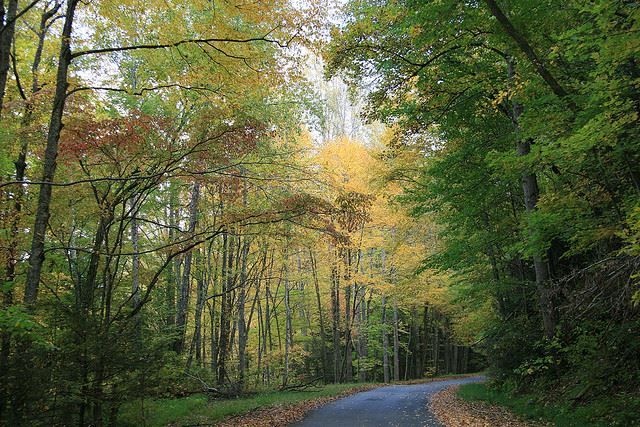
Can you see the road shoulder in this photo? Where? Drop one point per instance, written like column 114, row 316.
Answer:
column 453, row 411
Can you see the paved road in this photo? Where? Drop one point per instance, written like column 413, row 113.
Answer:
column 396, row 405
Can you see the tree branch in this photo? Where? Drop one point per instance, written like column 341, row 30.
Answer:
column 176, row 44
column 526, row 48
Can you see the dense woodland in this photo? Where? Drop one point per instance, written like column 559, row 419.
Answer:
column 229, row 196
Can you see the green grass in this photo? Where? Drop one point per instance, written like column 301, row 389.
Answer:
column 196, row 408
column 622, row 410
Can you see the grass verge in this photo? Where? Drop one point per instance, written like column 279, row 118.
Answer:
column 194, row 409
column 621, row 410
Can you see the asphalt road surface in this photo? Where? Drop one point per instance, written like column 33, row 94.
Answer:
column 395, row 405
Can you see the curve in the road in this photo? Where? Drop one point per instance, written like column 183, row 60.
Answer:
column 396, row 405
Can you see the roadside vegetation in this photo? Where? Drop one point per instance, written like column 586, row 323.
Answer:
column 198, row 408
column 620, row 410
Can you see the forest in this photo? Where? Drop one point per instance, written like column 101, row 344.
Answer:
column 229, row 197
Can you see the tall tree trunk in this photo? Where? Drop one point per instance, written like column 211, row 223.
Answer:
column 213, row 336
column 323, row 336
column 36, row 259
column 84, row 303
column 531, row 194
column 436, row 344
column 363, row 349
column 385, row 341
column 136, row 292
column 335, row 316
column 242, row 326
column 396, row 343
column 13, row 251
column 225, row 312
column 526, row 48
column 287, row 307
column 185, row 289
column 173, row 272
column 7, row 32
column 348, row 344
column 201, row 292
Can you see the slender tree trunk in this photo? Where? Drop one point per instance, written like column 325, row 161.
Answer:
column 385, row 342
column 201, row 292
column 436, row 345
column 225, row 313
column 185, row 289
column 173, row 270
column 242, row 327
column 13, row 251
column 84, row 302
column 363, row 348
column 7, row 32
column 425, row 340
column 323, row 336
column 36, row 259
column 348, row 344
column 335, row 315
column 531, row 194
column 396, row 343
column 287, row 307
column 213, row 337
column 136, row 292
column 526, row 48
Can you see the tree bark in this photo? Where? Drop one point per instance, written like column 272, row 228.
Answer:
column 531, row 194
column 173, row 272
column 201, row 292
column 242, row 326
column 396, row 343
column 225, row 311
column 7, row 32
column 323, row 344
column 335, row 317
column 385, row 342
column 526, row 48
column 135, row 262
column 185, row 289
column 348, row 344
column 36, row 259
column 287, row 307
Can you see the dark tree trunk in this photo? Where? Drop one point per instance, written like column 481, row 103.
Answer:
column 396, row 343
column 173, row 272
column 526, row 48
column 7, row 31
column 348, row 319
column 335, row 317
column 531, row 194
column 201, row 292
column 288, row 332
column 185, row 289
column 323, row 337
column 242, row 326
column 36, row 258
column 385, row 342
column 225, row 311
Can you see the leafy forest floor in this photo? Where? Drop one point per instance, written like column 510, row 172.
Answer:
column 271, row 408
column 477, row 405
column 473, row 411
